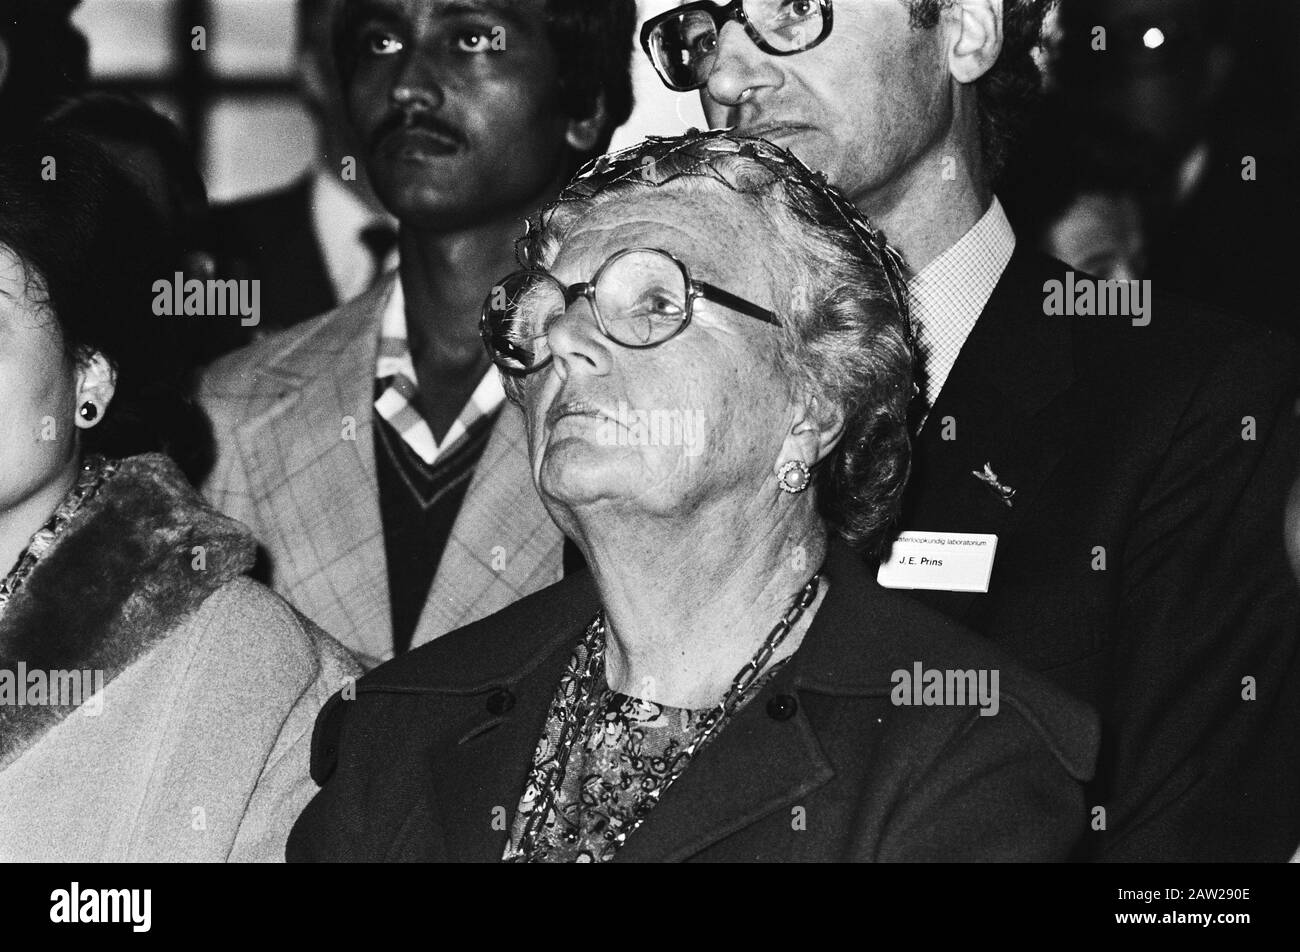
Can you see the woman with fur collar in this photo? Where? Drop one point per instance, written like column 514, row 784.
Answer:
column 155, row 704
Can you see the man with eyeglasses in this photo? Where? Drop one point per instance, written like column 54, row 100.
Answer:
column 367, row 448
column 1131, row 470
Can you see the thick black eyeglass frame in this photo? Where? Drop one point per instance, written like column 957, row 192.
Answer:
column 735, row 10
column 587, row 289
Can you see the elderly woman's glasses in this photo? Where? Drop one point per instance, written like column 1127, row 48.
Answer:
column 641, row 297
column 683, row 43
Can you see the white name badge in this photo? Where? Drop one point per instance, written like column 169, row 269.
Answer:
column 939, row 561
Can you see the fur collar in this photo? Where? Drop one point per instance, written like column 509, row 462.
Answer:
column 125, row 572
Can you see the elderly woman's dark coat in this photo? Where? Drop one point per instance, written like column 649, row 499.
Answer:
column 429, row 761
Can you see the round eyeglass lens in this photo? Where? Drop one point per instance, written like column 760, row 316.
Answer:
column 642, row 298
column 519, row 311
column 787, row 25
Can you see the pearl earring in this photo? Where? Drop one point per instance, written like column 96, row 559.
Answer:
column 794, row 476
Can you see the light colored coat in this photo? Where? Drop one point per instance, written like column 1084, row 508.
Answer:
column 197, row 747
column 293, row 423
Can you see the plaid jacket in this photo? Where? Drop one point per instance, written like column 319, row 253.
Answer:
column 292, row 418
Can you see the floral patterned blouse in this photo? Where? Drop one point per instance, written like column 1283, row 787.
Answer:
column 627, row 751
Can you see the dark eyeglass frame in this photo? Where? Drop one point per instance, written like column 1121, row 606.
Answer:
column 587, row 289
column 722, row 15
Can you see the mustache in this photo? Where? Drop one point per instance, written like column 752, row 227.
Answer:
column 400, row 120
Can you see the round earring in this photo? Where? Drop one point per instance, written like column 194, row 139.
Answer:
column 89, row 411
column 794, row 476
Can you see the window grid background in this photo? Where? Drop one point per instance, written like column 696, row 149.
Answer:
column 237, row 101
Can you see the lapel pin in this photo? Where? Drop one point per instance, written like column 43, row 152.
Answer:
column 990, row 479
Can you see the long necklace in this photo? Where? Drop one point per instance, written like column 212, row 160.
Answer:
column 584, row 702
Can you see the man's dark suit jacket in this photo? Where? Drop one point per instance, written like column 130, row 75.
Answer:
column 1243, row 226
column 429, row 761
column 1167, row 451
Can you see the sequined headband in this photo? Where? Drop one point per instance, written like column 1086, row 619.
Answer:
column 641, row 163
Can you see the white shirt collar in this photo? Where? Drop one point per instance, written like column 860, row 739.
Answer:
column 395, row 362
column 949, row 294
column 338, row 218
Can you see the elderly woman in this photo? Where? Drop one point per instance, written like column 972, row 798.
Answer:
column 708, row 346
column 155, row 704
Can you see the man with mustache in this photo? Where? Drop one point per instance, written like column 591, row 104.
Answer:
column 366, row 448
column 1132, row 467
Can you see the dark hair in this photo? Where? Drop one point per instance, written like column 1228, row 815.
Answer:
column 1008, row 91
column 845, row 337
column 1065, row 158
column 88, row 242
column 592, row 40
column 48, row 59
column 112, row 117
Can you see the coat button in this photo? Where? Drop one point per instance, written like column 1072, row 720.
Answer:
column 782, row 707
column 500, row 701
